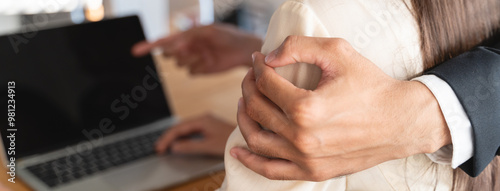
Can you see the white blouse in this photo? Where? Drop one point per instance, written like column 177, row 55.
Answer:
column 386, row 33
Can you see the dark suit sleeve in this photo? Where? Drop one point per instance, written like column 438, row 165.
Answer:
column 475, row 78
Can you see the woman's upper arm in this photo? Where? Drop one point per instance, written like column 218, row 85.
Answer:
column 292, row 18
column 295, row 18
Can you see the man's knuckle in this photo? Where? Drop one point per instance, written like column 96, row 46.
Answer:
column 303, row 112
column 269, row 173
column 289, row 40
column 254, row 144
column 306, row 146
column 274, row 174
column 250, row 110
column 342, row 42
column 261, row 81
column 299, row 111
column 318, row 177
column 300, row 119
column 339, row 45
column 289, row 43
column 251, row 145
column 317, row 172
column 252, row 140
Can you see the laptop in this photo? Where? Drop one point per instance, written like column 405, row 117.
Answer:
column 81, row 113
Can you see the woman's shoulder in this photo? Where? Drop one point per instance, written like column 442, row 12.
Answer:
column 349, row 13
column 369, row 26
column 318, row 5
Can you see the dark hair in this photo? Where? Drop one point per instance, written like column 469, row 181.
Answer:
column 451, row 27
column 487, row 180
column 447, row 29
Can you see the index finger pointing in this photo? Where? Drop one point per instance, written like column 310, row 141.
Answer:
column 142, row 48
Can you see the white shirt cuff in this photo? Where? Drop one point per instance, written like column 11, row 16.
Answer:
column 457, row 121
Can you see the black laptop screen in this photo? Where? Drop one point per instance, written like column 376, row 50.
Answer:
column 75, row 83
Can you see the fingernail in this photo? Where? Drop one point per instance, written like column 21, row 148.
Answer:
column 233, row 153
column 253, row 57
column 270, row 57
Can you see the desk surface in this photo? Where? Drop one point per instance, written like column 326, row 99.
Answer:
column 189, row 96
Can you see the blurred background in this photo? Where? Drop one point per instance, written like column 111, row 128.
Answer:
column 216, row 94
column 159, row 17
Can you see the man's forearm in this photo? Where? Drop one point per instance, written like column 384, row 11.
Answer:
column 457, row 121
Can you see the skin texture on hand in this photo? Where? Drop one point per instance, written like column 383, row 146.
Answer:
column 206, row 49
column 214, row 134
column 356, row 118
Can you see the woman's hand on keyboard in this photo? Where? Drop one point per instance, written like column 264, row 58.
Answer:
column 181, row 138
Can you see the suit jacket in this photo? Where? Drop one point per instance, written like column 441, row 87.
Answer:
column 475, row 78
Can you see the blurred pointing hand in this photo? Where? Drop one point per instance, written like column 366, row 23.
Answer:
column 206, row 49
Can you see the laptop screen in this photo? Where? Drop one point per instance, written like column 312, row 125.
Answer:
column 75, row 83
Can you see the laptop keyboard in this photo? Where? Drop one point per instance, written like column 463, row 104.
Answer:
column 73, row 167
